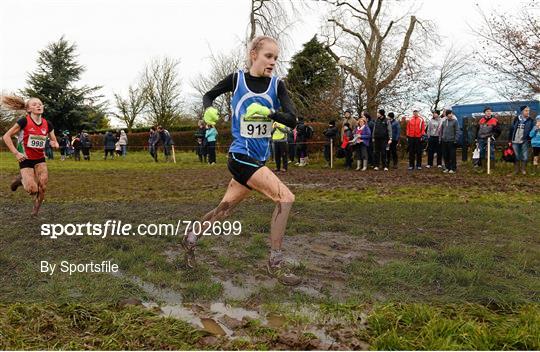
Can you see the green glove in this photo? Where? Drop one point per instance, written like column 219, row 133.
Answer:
column 256, row 109
column 211, row 116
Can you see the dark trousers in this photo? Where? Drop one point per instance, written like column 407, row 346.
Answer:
column 292, row 151
column 280, row 153
column 86, row 153
column 201, row 152
column 434, row 147
column 211, row 147
column 326, row 152
column 109, row 151
column 415, row 151
column 77, row 154
column 370, row 154
column 379, row 149
column 152, row 149
column 449, row 154
column 348, row 157
column 392, row 153
column 360, row 151
column 301, row 150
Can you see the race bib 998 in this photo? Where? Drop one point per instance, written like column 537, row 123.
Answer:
column 36, row 141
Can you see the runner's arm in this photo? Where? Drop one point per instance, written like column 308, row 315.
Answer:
column 54, row 141
column 288, row 115
column 224, row 86
column 9, row 142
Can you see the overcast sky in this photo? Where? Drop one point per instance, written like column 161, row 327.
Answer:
column 116, row 38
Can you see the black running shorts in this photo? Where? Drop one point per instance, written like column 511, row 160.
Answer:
column 30, row 163
column 242, row 167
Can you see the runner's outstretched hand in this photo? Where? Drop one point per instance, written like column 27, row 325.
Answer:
column 211, row 116
column 257, row 109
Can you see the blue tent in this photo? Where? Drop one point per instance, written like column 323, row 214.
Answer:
column 504, row 107
column 468, row 111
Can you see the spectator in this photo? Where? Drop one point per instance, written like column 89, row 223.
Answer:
column 361, row 141
column 118, row 148
column 434, row 144
column 449, row 135
column 166, row 141
column 301, row 139
column 109, row 140
column 153, row 140
column 86, row 145
column 330, row 135
column 520, row 138
column 382, row 137
column 371, row 125
column 211, row 136
column 416, row 128
column 123, row 142
column 346, row 140
column 48, row 149
column 348, row 118
column 396, row 132
column 64, row 145
column 488, row 127
column 77, row 146
column 279, row 138
column 535, row 141
column 291, row 140
column 200, row 135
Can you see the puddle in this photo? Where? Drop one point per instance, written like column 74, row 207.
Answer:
column 235, row 313
column 232, row 291
column 249, row 285
column 161, row 294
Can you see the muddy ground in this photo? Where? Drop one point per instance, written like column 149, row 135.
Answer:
column 358, row 239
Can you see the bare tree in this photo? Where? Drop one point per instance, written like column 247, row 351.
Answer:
column 272, row 17
column 452, row 81
column 131, row 107
column 511, row 50
column 377, row 38
column 162, row 91
column 221, row 66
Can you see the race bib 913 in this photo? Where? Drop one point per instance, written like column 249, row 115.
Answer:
column 256, row 127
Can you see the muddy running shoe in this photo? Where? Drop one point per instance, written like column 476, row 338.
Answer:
column 283, row 274
column 189, row 257
column 17, row 181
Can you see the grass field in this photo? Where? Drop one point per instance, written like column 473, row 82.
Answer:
column 391, row 260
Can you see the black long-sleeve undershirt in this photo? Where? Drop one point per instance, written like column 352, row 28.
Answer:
column 257, row 85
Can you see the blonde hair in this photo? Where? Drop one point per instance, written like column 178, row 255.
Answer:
column 13, row 102
column 256, row 45
column 362, row 119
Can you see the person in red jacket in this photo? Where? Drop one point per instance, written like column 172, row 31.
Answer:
column 488, row 128
column 35, row 129
column 416, row 129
